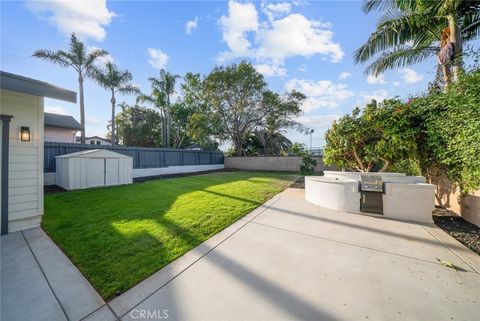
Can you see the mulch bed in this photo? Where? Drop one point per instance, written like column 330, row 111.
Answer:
column 466, row 233
column 299, row 183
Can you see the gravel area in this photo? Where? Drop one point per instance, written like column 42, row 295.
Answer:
column 466, row 233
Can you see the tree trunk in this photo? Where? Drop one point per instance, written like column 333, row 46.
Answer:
column 167, row 121
column 82, row 108
column 238, row 149
column 447, row 75
column 113, row 101
column 455, row 38
column 385, row 165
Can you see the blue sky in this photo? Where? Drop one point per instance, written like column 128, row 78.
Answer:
column 303, row 45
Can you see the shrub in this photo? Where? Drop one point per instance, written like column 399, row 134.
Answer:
column 449, row 131
column 308, row 163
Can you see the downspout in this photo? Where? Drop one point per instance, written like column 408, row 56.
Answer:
column 4, row 168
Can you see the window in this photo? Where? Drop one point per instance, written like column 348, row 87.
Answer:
column 98, row 142
column 92, row 142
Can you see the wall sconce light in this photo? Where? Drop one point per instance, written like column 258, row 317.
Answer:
column 25, row 134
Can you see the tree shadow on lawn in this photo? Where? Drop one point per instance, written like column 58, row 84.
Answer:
column 118, row 236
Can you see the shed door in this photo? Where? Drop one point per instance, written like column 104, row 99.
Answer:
column 111, row 171
column 95, row 172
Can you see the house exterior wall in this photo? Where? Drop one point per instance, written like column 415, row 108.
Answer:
column 95, row 141
column 59, row 135
column 25, row 183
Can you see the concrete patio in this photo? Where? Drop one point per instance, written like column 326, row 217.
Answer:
column 287, row 260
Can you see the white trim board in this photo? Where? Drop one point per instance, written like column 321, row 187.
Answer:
column 145, row 172
column 50, row 178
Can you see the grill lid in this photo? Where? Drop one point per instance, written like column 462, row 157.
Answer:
column 371, row 183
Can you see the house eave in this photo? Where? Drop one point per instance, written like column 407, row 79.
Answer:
column 35, row 87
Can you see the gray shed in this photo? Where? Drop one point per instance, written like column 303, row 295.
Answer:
column 93, row 168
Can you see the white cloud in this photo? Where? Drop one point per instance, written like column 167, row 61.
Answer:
column 158, row 59
column 104, row 59
column 318, row 122
column 410, row 76
column 57, row 110
column 271, row 42
column 275, row 10
column 303, row 68
column 344, row 75
column 191, row 25
column 396, row 83
column 87, row 19
column 378, row 95
column 380, row 79
column 295, row 35
column 320, row 94
column 92, row 120
column 241, row 18
column 271, row 70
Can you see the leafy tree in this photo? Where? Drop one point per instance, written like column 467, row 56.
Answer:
column 81, row 61
column 180, row 115
column 376, row 138
column 241, row 105
column 116, row 81
column 449, row 132
column 235, row 95
column 200, row 124
column 410, row 31
column 307, row 167
column 138, row 126
column 284, row 111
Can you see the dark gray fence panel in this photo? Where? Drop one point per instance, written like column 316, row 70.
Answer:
column 143, row 157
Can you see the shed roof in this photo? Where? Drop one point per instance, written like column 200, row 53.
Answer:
column 61, row 121
column 35, row 87
column 94, row 153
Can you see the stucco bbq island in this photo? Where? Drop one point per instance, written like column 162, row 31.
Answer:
column 393, row 195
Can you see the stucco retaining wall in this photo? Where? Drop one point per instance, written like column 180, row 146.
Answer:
column 269, row 163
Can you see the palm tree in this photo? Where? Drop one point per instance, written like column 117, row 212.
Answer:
column 410, row 31
column 77, row 58
column 162, row 90
column 117, row 81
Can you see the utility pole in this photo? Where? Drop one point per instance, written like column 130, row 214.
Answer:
column 311, row 132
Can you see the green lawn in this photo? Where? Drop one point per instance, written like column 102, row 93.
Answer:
column 118, row 236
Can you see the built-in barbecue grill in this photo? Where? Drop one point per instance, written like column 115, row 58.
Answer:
column 371, row 190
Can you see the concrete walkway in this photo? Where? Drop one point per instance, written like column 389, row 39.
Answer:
column 38, row 282
column 287, row 260
column 290, row 260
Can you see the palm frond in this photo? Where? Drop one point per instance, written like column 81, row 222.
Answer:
column 396, row 30
column 129, row 89
column 471, row 26
column 401, row 56
column 57, row 57
column 143, row 98
column 372, row 5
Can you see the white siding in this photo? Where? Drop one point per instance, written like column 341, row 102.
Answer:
column 25, row 159
column 59, row 135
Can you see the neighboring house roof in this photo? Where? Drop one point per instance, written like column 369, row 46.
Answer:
column 95, row 137
column 61, row 121
column 35, row 87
